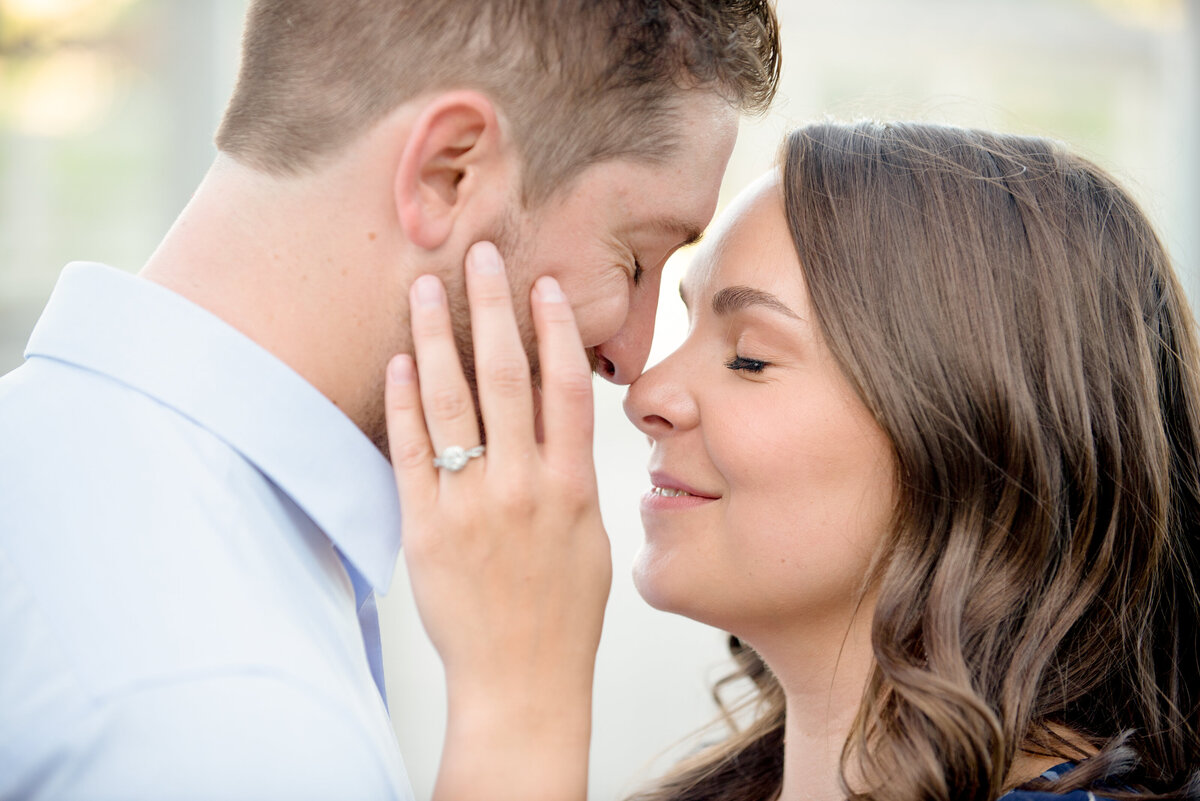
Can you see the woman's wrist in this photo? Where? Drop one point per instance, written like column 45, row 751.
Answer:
column 553, row 707
column 516, row 745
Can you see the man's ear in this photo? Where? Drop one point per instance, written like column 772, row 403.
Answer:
column 453, row 142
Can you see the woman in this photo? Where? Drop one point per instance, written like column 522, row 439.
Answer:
column 931, row 452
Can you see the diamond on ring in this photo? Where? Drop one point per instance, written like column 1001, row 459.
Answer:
column 455, row 458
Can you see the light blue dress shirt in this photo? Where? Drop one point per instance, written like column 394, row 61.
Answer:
column 190, row 535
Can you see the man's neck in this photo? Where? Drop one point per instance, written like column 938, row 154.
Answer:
column 298, row 265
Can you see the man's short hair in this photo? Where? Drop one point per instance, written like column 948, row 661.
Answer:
column 579, row 81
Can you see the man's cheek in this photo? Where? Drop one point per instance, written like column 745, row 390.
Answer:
column 600, row 316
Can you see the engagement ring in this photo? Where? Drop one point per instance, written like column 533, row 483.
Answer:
column 455, row 458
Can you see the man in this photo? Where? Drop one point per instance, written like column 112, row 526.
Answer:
column 195, row 513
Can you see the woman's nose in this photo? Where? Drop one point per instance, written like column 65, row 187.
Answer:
column 659, row 401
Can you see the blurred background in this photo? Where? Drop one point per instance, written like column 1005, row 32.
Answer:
column 107, row 110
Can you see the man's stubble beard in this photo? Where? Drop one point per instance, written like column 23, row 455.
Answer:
column 516, row 248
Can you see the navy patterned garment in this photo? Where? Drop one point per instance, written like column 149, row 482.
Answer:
column 1053, row 773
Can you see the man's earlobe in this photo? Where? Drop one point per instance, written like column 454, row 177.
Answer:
column 454, row 138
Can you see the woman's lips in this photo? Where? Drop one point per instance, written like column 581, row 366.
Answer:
column 664, row 481
column 670, row 493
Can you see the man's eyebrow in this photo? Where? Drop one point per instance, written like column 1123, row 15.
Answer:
column 734, row 298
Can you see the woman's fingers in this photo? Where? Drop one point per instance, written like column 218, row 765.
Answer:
column 408, row 439
column 567, row 415
column 445, row 396
column 509, row 565
column 501, row 365
column 445, row 401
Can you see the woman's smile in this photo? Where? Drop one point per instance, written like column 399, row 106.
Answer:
column 668, row 493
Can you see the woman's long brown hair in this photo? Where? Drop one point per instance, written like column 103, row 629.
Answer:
column 1009, row 316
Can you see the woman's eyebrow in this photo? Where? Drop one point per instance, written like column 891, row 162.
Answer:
column 734, row 298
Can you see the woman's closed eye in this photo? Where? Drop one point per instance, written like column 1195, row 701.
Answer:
column 743, row 364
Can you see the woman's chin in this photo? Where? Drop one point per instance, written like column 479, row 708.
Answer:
column 652, row 583
column 666, row 590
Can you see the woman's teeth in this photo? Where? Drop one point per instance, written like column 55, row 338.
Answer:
column 669, row 493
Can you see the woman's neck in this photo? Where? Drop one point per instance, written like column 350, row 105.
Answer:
column 823, row 672
column 824, row 675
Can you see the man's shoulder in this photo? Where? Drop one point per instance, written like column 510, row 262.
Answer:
column 143, row 542
column 146, row 564
column 41, row 391
column 71, row 436
column 226, row 735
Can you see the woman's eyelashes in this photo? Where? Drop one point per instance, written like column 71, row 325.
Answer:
column 742, row 364
column 637, row 271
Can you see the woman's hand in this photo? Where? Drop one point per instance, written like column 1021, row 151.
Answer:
column 509, row 562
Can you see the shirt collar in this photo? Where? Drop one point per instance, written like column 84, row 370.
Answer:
column 159, row 343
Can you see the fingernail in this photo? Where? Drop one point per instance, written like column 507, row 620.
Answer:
column 484, row 259
column 429, row 291
column 548, row 290
column 401, row 369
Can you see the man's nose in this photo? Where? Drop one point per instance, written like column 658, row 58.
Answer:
column 622, row 357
